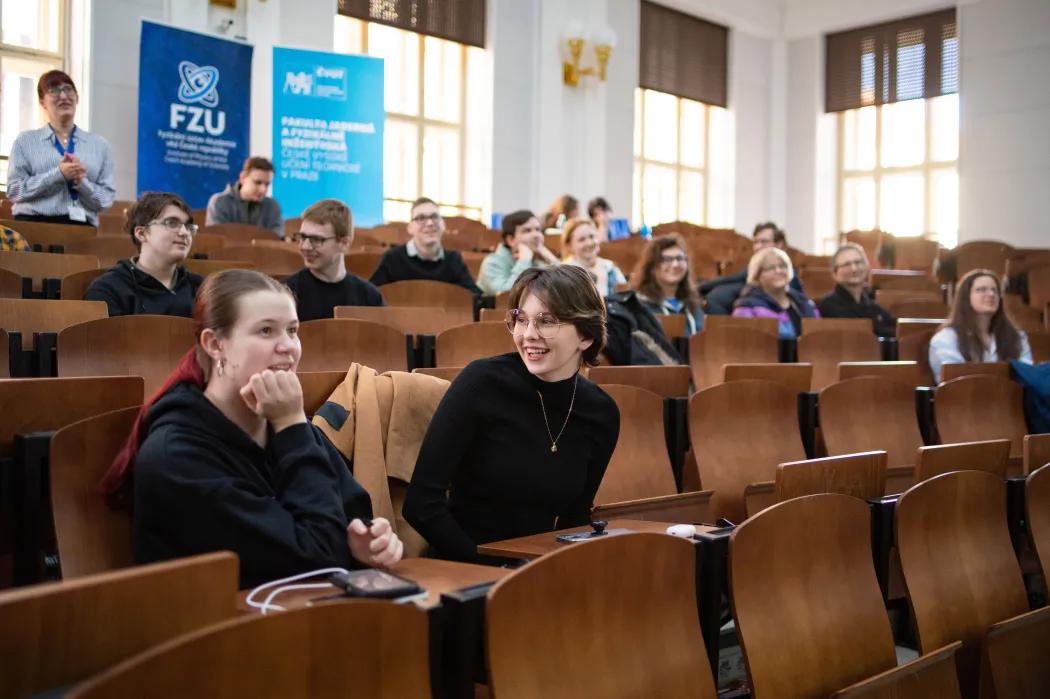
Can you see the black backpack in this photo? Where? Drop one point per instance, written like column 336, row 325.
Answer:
column 635, row 335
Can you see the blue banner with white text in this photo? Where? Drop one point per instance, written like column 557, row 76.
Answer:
column 194, row 112
column 328, row 132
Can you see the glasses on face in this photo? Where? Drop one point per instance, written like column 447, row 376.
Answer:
column 58, row 90
column 173, row 225
column 546, row 324
column 421, row 219
column 994, row 291
column 779, row 267
column 312, row 241
column 672, row 259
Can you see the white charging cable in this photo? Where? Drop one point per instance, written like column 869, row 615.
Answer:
column 267, row 604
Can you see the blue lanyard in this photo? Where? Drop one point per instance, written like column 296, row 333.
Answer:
column 62, row 153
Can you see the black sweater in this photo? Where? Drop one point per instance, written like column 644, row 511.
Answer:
column 397, row 265
column 202, row 484
column 840, row 304
column 316, row 298
column 488, row 448
column 127, row 290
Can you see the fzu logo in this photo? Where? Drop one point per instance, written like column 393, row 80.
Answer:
column 197, row 85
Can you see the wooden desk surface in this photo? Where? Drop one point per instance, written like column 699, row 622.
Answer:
column 436, row 577
column 539, row 544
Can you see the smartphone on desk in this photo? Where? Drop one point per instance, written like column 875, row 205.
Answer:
column 374, row 583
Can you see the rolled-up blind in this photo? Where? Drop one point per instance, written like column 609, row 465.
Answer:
column 683, row 55
column 456, row 20
column 912, row 58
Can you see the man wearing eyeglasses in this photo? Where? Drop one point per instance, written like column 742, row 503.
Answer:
column 246, row 200
column 154, row 281
column 422, row 257
column 851, row 298
column 324, row 238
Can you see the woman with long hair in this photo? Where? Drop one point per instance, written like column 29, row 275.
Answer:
column 223, row 458
column 580, row 247
column 664, row 282
column 565, row 208
column 977, row 328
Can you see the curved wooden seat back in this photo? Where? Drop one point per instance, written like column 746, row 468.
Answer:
column 1040, row 343
column 206, row 267
column 915, row 346
column 291, row 656
column 463, row 344
column 740, row 431
column 1036, row 450
column 292, row 226
column 10, row 285
column 905, row 280
column 109, row 249
column 978, row 408
column 72, row 287
column 766, row 325
column 60, row 633
column 888, row 298
column 795, row 376
column 672, row 325
column 914, row 253
column 951, row 371
column 91, row 537
column 824, row 349
column 364, row 263
column 207, row 243
column 664, row 381
column 814, row 325
column 640, row 466
column 713, row 348
column 916, row 326
column 411, row 320
column 871, row 241
column 28, row 316
column 635, row 634
column 1037, row 505
column 990, row 456
column 45, row 265
column 982, row 254
column 920, row 308
column 861, row 475
column 817, row 280
column 333, row 344
column 275, row 262
column 958, row 563
column 48, row 234
column 930, row 675
column 907, row 373
column 868, row 414
column 317, row 387
column 1015, row 654
column 5, row 355
column 503, row 299
column 825, row 627
column 1039, row 286
column 423, row 292
column 139, row 345
column 239, row 233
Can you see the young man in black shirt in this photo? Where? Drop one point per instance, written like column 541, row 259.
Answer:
column 324, row 237
column 423, row 257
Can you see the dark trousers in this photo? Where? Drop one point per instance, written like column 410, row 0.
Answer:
column 50, row 219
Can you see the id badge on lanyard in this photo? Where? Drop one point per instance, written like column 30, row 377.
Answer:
column 76, row 209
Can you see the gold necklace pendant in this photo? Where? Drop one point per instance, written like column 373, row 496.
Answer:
column 572, row 401
column 554, row 447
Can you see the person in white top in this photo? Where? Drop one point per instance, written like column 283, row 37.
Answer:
column 978, row 328
column 580, row 246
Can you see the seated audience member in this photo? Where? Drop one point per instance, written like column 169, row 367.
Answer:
column 768, row 293
column 721, row 293
column 59, row 173
column 324, row 237
column 13, row 241
column 599, row 211
column 978, row 328
column 521, row 249
column 579, row 244
column 850, row 299
column 154, row 282
column 245, row 200
column 565, row 208
column 665, row 284
column 224, row 458
column 423, row 257
column 520, row 442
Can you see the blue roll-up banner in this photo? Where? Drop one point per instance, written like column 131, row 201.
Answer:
column 328, row 132
column 194, row 112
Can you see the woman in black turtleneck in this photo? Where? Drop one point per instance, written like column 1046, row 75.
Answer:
column 520, row 442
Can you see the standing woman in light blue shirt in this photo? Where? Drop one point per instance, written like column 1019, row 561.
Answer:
column 60, row 173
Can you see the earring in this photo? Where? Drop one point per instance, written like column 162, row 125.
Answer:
column 220, row 368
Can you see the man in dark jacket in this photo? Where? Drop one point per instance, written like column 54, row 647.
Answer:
column 721, row 293
column 423, row 257
column 154, row 282
column 245, row 200
column 850, row 299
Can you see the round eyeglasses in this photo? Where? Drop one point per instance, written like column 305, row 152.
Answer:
column 173, row 225
column 546, row 324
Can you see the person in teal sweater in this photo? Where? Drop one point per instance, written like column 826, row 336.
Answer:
column 522, row 249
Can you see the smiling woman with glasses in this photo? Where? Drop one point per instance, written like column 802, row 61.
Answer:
column 520, row 442
column 768, row 293
column 665, row 284
column 60, row 173
column 161, row 226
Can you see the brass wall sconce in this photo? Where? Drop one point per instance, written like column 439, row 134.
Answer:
column 574, row 43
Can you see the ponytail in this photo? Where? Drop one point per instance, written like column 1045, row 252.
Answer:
column 115, row 485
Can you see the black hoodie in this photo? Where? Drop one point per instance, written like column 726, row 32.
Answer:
column 128, row 290
column 202, row 484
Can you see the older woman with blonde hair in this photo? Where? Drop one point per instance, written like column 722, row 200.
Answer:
column 768, row 293
column 580, row 247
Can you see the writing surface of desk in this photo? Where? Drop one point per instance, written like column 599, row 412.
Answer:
column 534, row 546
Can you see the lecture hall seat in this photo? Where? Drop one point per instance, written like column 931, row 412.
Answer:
column 991, row 456
column 333, row 344
column 981, row 407
column 714, row 347
column 463, row 344
column 824, row 349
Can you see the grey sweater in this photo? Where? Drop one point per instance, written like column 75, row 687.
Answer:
column 228, row 207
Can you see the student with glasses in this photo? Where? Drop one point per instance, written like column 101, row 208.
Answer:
column 722, row 292
column 768, row 293
column 60, row 173
column 851, row 298
column 664, row 283
column 423, row 257
column 520, row 442
column 978, row 328
column 155, row 281
column 324, row 238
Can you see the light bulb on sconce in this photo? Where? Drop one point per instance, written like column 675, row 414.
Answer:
column 574, row 42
